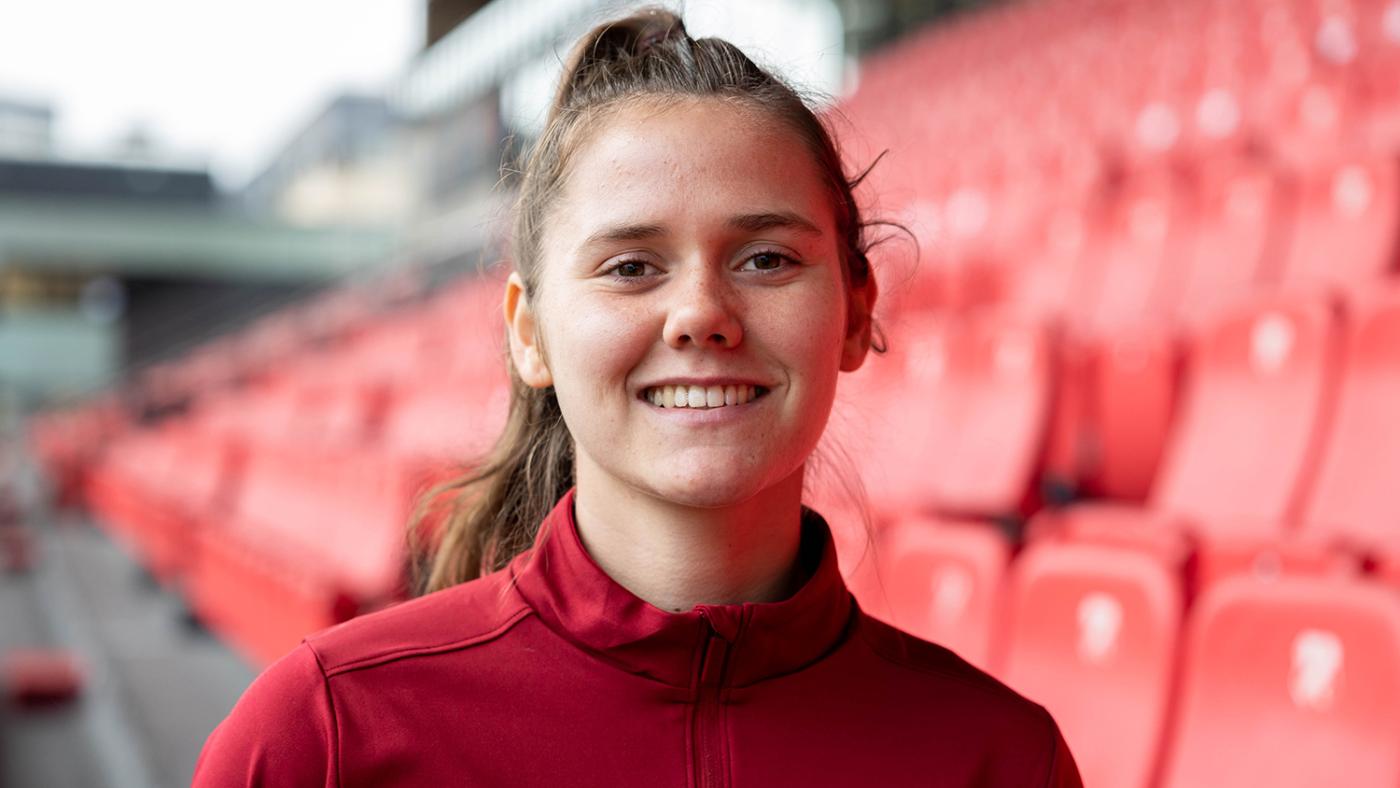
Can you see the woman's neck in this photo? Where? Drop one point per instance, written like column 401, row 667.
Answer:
column 677, row 557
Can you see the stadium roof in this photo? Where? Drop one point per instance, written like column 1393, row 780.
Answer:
column 127, row 237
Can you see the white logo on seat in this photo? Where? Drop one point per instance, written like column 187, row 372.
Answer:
column 1271, row 342
column 967, row 211
column 1013, row 354
column 1157, row 127
column 1218, row 114
column 952, row 590
column 1100, row 621
column 1335, row 40
column 1351, row 191
column 1317, row 664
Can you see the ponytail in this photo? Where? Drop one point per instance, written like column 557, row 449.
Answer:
column 493, row 511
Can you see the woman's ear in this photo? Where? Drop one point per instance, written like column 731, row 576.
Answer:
column 525, row 348
column 860, row 310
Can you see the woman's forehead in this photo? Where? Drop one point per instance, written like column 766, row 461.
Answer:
column 693, row 158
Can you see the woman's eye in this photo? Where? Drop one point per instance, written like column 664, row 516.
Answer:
column 630, row 269
column 767, row 261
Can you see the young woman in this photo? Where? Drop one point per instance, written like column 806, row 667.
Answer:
column 634, row 593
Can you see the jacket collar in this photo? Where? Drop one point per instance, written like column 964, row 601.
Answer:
column 577, row 599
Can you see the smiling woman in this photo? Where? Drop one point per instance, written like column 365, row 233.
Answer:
column 631, row 591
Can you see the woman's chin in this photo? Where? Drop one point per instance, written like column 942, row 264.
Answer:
column 714, row 490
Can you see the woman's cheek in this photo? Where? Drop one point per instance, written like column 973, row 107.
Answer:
column 811, row 329
column 592, row 348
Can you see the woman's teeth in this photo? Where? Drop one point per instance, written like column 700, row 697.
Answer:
column 700, row 396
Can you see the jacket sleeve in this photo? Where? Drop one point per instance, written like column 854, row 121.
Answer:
column 282, row 732
column 1062, row 772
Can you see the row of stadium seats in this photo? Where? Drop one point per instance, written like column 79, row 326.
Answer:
column 1261, row 680
column 1125, row 170
column 279, row 508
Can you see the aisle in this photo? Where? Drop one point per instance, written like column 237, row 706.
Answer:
column 155, row 686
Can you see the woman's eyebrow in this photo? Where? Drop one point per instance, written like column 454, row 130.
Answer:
column 624, row 232
column 758, row 222
column 744, row 222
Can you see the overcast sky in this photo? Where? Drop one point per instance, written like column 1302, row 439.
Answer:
column 220, row 82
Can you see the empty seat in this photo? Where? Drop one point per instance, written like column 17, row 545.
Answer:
column 1347, row 227
column 1092, row 634
column 1133, row 396
column 1378, row 61
column 309, row 540
column 1140, row 260
column 127, row 492
column 1256, row 406
column 943, row 582
column 457, row 420
column 1353, row 499
column 1289, row 683
column 1240, row 211
column 956, row 418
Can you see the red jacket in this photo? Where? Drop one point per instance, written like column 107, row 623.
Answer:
column 548, row 673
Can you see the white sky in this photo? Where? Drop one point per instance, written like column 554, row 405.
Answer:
column 225, row 83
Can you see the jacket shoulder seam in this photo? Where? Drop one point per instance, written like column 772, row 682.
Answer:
column 1051, row 763
column 409, row 652
column 335, row 717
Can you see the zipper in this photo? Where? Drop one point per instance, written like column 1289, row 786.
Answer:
column 710, row 769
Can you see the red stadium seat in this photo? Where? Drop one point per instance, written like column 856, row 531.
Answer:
column 1141, row 258
column 958, row 417
column 1353, row 499
column 1290, row 683
column 1092, row 634
column 1240, row 213
column 309, row 540
column 1253, row 418
column 1050, row 275
column 943, row 581
column 1347, row 227
column 449, row 420
column 1378, row 61
column 1135, row 385
column 150, row 488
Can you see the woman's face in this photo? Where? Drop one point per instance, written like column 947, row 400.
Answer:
column 691, row 308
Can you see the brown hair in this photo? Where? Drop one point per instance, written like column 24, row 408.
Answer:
column 496, row 508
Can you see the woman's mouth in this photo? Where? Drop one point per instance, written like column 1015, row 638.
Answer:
column 701, row 397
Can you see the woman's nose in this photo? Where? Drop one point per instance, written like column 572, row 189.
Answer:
column 703, row 313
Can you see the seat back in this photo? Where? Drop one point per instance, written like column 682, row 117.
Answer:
column 1256, row 405
column 1353, row 496
column 943, row 582
column 1092, row 635
column 1294, row 682
column 1347, row 227
column 958, row 424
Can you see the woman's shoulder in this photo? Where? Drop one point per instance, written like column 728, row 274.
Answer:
column 934, row 668
column 454, row 618
column 936, row 687
column 284, row 727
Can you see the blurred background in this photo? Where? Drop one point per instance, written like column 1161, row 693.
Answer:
column 1134, row 449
